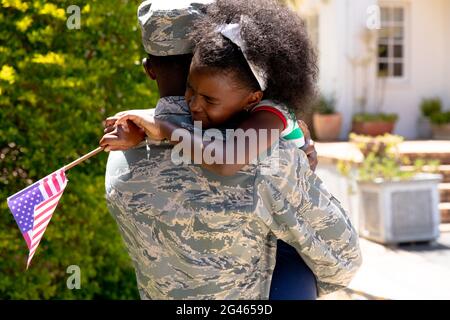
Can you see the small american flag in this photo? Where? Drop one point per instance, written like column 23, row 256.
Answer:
column 33, row 208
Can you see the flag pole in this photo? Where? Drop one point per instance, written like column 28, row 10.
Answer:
column 83, row 158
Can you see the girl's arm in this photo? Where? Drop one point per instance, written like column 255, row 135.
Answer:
column 263, row 127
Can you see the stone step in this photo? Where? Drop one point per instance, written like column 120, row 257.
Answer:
column 444, row 170
column 429, row 150
column 444, row 208
column 444, row 192
column 443, row 158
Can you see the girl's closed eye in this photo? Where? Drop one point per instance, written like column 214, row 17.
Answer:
column 210, row 100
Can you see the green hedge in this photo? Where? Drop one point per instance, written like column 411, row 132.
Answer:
column 56, row 87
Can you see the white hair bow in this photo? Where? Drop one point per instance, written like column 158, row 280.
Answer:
column 233, row 33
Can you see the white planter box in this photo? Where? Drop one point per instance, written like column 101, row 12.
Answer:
column 400, row 211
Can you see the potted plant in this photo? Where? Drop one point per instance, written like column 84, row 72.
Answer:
column 374, row 124
column 440, row 125
column 428, row 107
column 396, row 205
column 377, row 123
column 439, row 120
column 326, row 121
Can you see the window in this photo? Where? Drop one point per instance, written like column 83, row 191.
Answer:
column 391, row 42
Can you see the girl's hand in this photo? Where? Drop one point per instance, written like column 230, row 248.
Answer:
column 144, row 120
column 116, row 138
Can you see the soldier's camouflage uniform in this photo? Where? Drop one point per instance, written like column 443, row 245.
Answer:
column 194, row 235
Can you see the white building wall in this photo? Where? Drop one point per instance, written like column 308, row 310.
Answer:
column 342, row 23
column 358, row 76
column 328, row 44
column 426, row 63
column 446, row 35
column 329, row 34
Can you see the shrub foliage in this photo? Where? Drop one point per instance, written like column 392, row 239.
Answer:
column 56, row 87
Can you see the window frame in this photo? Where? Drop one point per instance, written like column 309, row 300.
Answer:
column 390, row 60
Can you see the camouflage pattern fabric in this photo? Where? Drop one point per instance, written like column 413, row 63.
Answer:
column 165, row 25
column 194, row 235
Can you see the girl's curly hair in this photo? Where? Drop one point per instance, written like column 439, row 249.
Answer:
column 276, row 40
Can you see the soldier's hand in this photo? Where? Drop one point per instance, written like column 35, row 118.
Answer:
column 116, row 138
column 309, row 148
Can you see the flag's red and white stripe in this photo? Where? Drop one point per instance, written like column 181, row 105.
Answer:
column 52, row 187
column 53, row 184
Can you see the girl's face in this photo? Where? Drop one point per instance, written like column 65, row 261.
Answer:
column 214, row 97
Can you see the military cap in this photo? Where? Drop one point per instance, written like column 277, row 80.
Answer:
column 165, row 25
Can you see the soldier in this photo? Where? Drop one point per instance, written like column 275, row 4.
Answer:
column 194, row 235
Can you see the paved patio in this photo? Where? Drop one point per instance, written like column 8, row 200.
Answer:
column 406, row 272
column 414, row 271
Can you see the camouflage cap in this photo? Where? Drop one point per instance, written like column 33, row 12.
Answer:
column 165, row 25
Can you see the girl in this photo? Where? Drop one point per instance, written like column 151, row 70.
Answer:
column 253, row 69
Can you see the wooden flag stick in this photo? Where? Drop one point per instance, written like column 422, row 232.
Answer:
column 83, row 158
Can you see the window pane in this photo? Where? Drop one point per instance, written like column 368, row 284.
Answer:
column 386, row 14
column 397, row 33
column 398, row 69
column 383, row 51
column 383, row 34
column 398, row 14
column 383, row 69
column 398, row 51
column 391, row 42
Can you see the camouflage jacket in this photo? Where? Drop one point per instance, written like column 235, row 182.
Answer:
column 194, row 235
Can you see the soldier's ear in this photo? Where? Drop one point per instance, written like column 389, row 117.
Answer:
column 151, row 74
column 148, row 68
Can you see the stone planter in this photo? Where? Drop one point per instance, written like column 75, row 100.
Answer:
column 441, row 132
column 327, row 127
column 400, row 211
